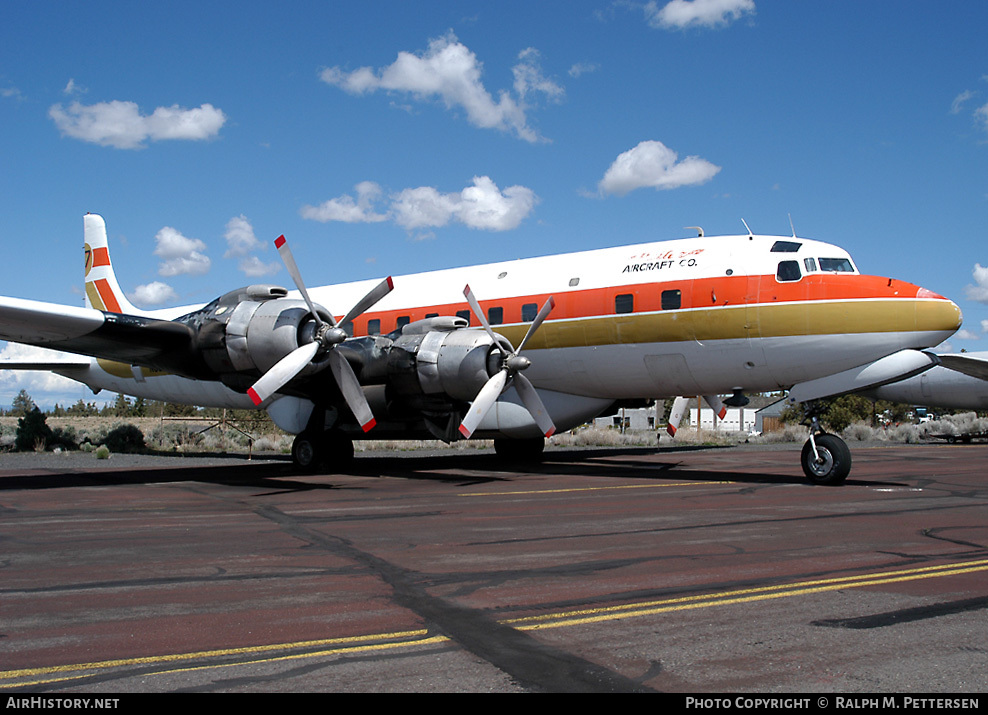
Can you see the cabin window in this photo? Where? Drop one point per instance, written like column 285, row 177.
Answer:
column 672, row 299
column 348, row 328
column 528, row 312
column 573, row 282
column 624, row 303
column 402, row 321
column 374, row 326
column 465, row 314
column 838, row 265
column 432, row 315
column 810, row 265
column 495, row 316
column 785, row 247
column 788, row 271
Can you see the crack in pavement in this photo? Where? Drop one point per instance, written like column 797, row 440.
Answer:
column 532, row 664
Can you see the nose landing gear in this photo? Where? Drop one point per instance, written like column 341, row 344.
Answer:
column 826, row 458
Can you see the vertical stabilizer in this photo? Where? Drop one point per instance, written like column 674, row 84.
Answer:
column 102, row 290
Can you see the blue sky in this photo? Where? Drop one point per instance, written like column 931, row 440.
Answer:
column 391, row 137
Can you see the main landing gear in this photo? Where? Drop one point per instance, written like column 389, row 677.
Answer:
column 313, row 449
column 825, row 458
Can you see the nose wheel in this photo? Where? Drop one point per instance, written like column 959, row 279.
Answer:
column 826, row 459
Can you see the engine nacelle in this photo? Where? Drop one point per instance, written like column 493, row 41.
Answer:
column 447, row 361
column 244, row 333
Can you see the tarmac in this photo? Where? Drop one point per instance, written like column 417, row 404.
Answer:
column 685, row 570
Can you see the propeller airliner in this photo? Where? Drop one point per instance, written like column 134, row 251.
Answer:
column 433, row 355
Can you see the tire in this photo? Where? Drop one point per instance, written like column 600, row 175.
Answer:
column 306, row 452
column 835, row 462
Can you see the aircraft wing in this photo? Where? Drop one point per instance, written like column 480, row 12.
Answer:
column 971, row 364
column 86, row 331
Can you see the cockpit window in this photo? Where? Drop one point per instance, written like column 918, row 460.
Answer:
column 809, row 264
column 837, row 265
column 788, row 271
column 785, row 247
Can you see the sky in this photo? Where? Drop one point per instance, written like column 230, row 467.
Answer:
column 385, row 138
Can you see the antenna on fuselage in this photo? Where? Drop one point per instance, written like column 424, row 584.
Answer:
column 792, row 226
column 697, row 228
column 750, row 234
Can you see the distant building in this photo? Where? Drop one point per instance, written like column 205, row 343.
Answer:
column 761, row 414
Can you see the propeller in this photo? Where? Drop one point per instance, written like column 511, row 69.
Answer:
column 512, row 364
column 327, row 336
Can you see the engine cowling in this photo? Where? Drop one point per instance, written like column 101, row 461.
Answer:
column 245, row 332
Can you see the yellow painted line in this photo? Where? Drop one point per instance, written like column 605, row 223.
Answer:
column 402, row 637
column 414, row 638
column 634, row 610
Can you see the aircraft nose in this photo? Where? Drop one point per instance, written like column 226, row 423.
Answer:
column 937, row 314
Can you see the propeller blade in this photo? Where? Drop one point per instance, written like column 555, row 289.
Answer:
column 376, row 293
column 281, row 243
column 679, row 406
column 543, row 313
column 483, row 402
column 533, row 403
column 283, row 371
column 479, row 312
column 350, row 387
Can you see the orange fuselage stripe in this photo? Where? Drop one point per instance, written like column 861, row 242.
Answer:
column 743, row 305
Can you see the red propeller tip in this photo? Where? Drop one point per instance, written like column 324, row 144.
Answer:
column 280, row 241
column 255, row 398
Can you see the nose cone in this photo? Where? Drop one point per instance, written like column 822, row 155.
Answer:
column 936, row 315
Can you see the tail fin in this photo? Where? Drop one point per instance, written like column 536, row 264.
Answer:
column 102, row 290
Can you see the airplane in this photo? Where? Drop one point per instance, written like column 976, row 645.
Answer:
column 962, row 387
column 417, row 356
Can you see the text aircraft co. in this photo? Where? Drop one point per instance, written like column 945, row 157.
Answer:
column 513, row 351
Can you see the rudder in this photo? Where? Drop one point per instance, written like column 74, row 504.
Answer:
column 102, row 290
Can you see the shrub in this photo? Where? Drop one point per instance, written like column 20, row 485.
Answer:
column 32, row 431
column 125, row 438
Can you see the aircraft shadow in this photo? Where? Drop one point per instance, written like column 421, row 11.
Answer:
column 275, row 472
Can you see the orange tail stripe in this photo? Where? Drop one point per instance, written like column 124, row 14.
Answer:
column 106, row 293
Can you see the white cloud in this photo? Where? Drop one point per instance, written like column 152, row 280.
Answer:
column 984, row 326
column 958, row 104
column 966, row 335
column 981, row 116
column 529, row 77
column 450, row 72
column 681, row 14
column 254, row 267
column 181, row 255
column 653, row 164
column 482, row 206
column 73, row 88
column 121, row 125
column 582, row 68
column 978, row 292
column 240, row 238
column 35, row 381
column 154, row 293
column 345, row 209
